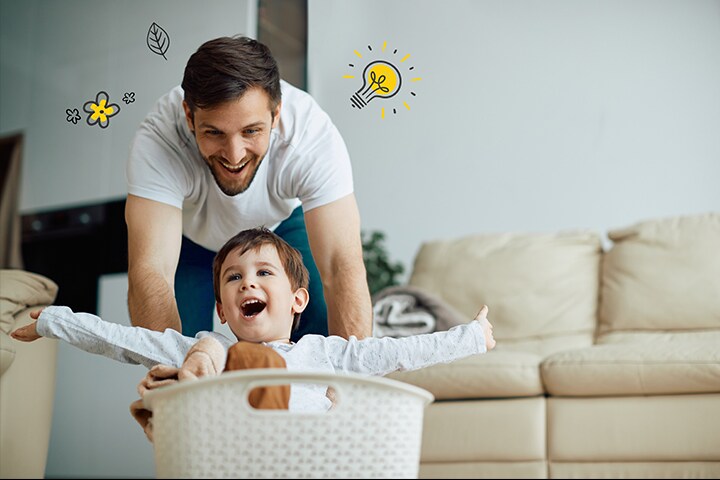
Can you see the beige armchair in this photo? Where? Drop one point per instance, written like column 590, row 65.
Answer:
column 27, row 370
column 27, row 377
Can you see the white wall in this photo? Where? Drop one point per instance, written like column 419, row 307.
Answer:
column 530, row 116
column 57, row 55
column 93, row 434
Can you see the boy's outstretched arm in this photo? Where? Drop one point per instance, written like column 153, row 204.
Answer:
column 379, row 356
column 88, row 332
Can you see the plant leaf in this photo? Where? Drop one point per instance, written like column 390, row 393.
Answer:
column 158, row 40
column 381, row 272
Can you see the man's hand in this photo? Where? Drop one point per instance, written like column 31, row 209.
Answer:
column 487, row 327
column 28, row 333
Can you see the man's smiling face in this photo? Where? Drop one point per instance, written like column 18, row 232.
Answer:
column 234, row 137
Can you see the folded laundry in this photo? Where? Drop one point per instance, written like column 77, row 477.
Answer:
column 400, row 311
column 397, row 316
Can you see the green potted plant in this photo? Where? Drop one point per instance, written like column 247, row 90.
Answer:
column 381, row 272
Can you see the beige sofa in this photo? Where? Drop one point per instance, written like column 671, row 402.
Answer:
column 27, row 381
column 607, row 361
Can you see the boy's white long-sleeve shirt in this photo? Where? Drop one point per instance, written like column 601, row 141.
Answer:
column 312, row 353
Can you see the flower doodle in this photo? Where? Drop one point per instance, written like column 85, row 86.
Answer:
column 73, row 115
column 129, row 98
column 100, row 110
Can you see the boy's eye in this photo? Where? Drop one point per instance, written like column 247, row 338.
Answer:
column 234, row 276
column 263, row 273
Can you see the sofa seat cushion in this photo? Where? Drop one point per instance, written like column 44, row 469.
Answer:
column 641, row 369
column 657, row 338
column 491, row 375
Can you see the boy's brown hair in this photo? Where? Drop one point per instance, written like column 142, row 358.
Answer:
column 253, row 239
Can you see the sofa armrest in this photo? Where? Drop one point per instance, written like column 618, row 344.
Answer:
column 27, row 383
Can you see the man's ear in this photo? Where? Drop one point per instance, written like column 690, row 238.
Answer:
column 276, row 115
column 302, row 297
column 189, row 117
column 219, row 308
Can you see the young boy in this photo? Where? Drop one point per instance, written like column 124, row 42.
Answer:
column 260, row 286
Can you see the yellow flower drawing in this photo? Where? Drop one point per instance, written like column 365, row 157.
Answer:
column 100, row 110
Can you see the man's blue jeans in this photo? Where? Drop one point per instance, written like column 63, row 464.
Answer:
column 194, row 283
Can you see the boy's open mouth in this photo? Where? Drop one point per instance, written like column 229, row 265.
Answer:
column 252, row 307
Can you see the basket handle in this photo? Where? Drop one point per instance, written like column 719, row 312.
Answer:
column 290, row 379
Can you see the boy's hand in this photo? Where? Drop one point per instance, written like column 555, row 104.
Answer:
column 196, row 365
column 28, row 333
column 487, row 327
column 206, row 357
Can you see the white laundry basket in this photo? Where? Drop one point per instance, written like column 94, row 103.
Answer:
column 207, row 429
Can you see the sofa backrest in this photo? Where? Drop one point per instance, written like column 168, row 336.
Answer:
column 662, row 276
column 542, row 289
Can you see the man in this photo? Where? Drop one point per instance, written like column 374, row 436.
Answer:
column 232, row 148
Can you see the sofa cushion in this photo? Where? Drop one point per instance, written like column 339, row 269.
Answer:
column 658, row 338
column 663, row 275
column 537, row 286
column 639, row 369
column 491, row 375
column 20, row 289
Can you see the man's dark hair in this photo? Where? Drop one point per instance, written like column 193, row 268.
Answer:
column 253, row 239
column 223, row 69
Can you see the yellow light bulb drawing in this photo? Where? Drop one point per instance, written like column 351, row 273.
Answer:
column 380, row 80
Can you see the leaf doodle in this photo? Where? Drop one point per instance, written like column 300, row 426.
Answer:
column 158, row 40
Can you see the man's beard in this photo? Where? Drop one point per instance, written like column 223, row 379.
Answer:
column 233, row 188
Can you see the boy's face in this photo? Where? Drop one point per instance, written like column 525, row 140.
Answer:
column 258, row 302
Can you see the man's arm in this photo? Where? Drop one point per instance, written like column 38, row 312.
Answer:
column 334, row 236
column 154, row 240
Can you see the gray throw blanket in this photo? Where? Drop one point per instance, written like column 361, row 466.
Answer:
column 405, row 310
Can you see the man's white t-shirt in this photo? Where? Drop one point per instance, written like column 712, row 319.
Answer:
column 307, row 164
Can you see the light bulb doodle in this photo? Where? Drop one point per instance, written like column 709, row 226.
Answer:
column 380, row 79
